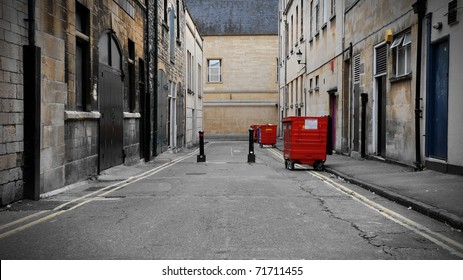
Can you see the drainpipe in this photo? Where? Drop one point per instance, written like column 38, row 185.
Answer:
column 364, row 99
column 146, row 133
column 419, row 7
column 155, row 82
column 278, row 72
column 32, row 99
column 285, row 88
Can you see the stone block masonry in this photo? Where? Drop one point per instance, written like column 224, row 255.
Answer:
column 12, row 36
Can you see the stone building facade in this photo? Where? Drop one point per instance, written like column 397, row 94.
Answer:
column 375, row 54
column 193, row 83
column 240, row 58
column 91, row 70
column 442, row 85
column 170, row 77
column 13, row 35
column 88, row 85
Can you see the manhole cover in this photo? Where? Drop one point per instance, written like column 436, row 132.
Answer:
column 93, row 189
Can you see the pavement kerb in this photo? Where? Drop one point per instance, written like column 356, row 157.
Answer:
column 426, row 209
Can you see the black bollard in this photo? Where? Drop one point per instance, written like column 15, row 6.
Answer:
column 201, row 157
column 364, row 98
column 251, row 155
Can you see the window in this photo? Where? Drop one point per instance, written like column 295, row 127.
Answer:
column 297, row 25
column 165, row 11
column 178, row 21
column 401, row 48
column 286, row 39
column 311, row 19
column 302, row 19
column 189, row 74
column 316, row 82
column 82, row 55
column 200, row 81
column 215, row 71
column 317, row 18
column 325, row 12
column 109, row 51
column 333, row 8
column 172, row 34
column 380, row 60
column 292, row 32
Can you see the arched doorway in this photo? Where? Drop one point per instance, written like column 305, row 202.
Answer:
column 110, row 86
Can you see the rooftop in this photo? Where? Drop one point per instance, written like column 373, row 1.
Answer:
column 235, row 17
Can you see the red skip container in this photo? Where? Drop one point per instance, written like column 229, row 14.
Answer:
column 306, row 141
column 267, row 134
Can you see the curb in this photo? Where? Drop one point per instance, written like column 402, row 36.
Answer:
column 428, row 210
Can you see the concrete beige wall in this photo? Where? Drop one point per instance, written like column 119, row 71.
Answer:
column 194, row 96
column 248, row 92
column 374, row 19
column 439, row 10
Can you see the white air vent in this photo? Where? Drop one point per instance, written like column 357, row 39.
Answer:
column 357, row 69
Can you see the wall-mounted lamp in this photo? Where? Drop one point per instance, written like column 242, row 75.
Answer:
column 299, row 57
column 437, row 26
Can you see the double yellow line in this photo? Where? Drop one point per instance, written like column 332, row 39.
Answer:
column 80, row 201
column 450, row 245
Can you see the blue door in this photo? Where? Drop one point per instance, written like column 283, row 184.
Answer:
column 437, row 103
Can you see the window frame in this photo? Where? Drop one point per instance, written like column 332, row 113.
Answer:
column 401, row 50
column 82, row 57
column 209, row 80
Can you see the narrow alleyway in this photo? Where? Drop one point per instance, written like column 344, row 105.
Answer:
column 225, row 208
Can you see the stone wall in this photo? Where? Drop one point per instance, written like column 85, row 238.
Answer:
column 248, row 91
column 13, row 34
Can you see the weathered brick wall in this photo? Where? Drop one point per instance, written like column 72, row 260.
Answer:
column 13, row 34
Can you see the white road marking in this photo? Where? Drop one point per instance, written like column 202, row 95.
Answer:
column 90, row 197
column 449, row 244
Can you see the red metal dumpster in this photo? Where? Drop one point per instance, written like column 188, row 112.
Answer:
column 305, row 141
column 267, row 134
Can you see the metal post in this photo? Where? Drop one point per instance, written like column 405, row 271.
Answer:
column 251, row 155
column 364, row 98
column 419, row 7
column 201, row 157
column 32, row 109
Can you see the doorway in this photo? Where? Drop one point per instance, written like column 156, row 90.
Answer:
column 111, row 101
column 333, row 110
column 381, row 116
column 437, row 103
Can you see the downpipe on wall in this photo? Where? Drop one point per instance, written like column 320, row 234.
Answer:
column 419, row 7
column 32, row 118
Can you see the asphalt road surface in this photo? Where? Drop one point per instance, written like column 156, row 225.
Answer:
column 224, row 208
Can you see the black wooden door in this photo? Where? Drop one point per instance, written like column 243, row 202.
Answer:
column 110, row 86
column 111, row 122
column 381, row 117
